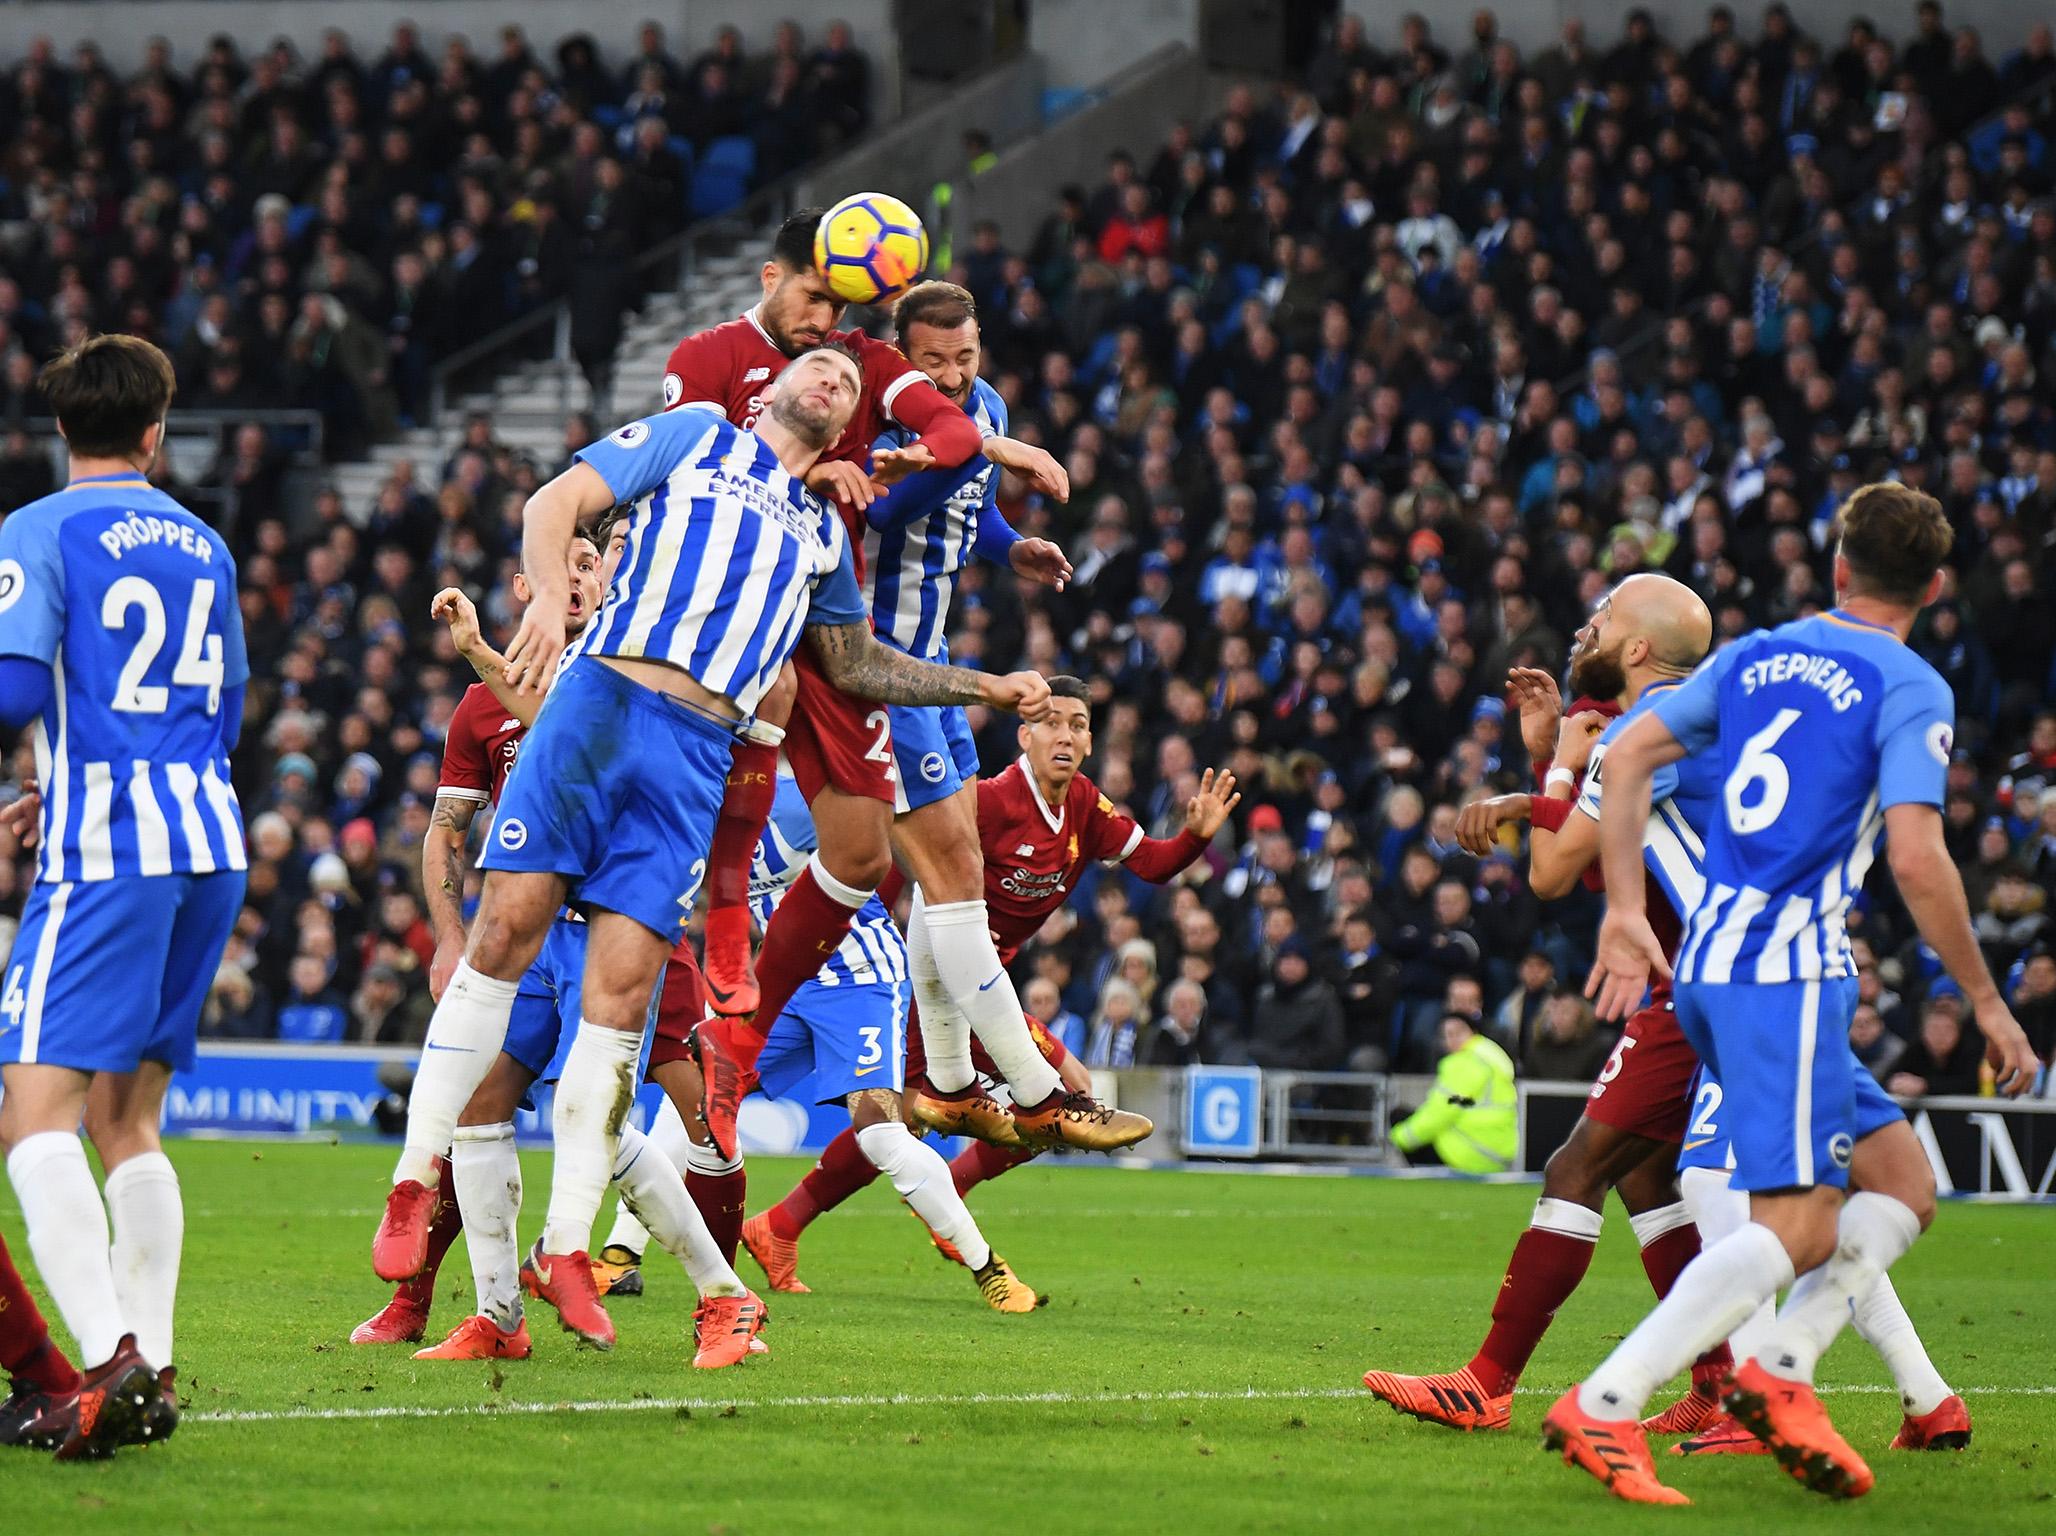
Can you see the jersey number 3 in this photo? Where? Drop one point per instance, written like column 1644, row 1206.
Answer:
column 199, row 655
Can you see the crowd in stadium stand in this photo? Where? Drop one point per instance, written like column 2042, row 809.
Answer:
column 1368, row 387
column 320, row 232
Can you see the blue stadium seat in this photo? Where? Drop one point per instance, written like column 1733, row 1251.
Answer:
column 735, row 155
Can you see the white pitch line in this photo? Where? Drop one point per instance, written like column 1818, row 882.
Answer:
column 894, row 1400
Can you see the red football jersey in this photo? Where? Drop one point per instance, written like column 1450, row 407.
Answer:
column 728, row 367
column 1033, row 854
column 480, row 750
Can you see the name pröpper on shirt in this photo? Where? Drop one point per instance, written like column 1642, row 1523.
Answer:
column 138, row 532
column 1822, row 672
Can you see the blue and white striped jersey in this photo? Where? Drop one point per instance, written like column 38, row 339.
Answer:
column 911, row 565
column 131, row 601
column 728, row 555
column 875, row 951
column 1817, row 728
column 1683, row 799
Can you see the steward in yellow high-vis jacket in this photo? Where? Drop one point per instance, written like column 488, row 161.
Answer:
column 1469, row 1121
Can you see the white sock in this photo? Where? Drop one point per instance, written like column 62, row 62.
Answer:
column 1661, row 1222
column 592, row 1101
column 487, row 1173
column 923, row 1180
column 464, row 1039
column 961, row 934
column 1881, row 1319
column 60, row 1205
column 708, row 1160
column 945, row 1031
column 1718, row 1209
column 149, row 1232
column 651, row 1184
column 1872, row 1235
column 1567, row 1218
column 1717, row 1290
column 667, row 1134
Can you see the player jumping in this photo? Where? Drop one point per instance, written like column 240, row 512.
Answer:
column 1039, row 823
column 120, row 637
column 484, row 739
column 614, row 797
column 841, row 747
column 1764, row 985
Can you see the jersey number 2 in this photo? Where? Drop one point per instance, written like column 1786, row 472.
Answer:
column 199, row 656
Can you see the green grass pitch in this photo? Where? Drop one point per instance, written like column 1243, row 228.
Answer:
column 1197, row 1371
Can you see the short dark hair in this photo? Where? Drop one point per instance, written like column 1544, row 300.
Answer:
column 935, row 303
column 793, row 246
column 840, row 349
column 1065, row 686
column 106, row 392
column 1895, row 538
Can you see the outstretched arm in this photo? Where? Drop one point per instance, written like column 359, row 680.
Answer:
column 444, row 862
column 856, row 663
column 1933, row 892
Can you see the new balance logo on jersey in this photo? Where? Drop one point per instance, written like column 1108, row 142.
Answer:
column 756, row 374
column 509, row 725
column 1024, row 850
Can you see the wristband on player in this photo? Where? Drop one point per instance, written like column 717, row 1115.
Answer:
column 1548, row 814
column 763, row 733
column 1558, row 776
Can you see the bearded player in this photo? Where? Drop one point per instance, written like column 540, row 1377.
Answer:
column 613, row 802
column 484, row 1193
column 1764, row 984
column 1039, row 823
column 840, row 748
column 1644, row 637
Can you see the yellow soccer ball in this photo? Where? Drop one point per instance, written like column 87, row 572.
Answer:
column 871, row 248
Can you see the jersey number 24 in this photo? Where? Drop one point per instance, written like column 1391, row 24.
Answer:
column 199, row 656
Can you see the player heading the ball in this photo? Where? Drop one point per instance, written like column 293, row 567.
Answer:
column 611, row 805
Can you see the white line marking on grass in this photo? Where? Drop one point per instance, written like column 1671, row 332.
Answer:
column 894, row 1400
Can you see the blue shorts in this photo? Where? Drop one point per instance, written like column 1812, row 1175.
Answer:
column 616, row 789
column 845, row 1039
column 1790, row 1095
column 546, row 1008
column 1706, row 1137
column 108, row 974
column 934, row 753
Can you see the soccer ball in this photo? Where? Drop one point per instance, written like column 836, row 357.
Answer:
column 870, row 248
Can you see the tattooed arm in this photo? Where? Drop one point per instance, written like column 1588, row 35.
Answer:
column 444, row 863
column 856, row 663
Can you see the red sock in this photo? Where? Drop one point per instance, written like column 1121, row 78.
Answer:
column 752, row 785
column 26, row 1349
column 981, row 1161
column 806, row 929
column 1545, row 1268
column 1663, row 1259
column 720, row 1198
column 842, row 1171
column 445, row 1222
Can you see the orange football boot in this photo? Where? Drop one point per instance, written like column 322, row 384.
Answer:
column 480, row 1338
column 1693, row 1414
column 1788, row 1418
column 779, row 1257
column 1945, row 1428
column 1613, row 1450
column 726, row 1328
column 1457, row 1399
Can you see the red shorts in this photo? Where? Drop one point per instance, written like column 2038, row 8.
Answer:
column 1645, row 1088
column 836, row 741
column 681, row 1006
column 917, row 1056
